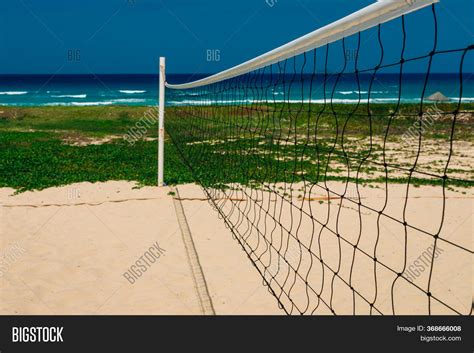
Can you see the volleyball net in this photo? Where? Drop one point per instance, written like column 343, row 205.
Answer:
column 343, row 175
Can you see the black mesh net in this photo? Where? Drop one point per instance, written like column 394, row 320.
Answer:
column 343, row 200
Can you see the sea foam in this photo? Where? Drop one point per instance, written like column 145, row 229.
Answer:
column 132, row 91
column 71, row 96
column 13, row 93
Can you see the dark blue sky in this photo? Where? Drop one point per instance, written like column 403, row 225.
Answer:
column 128, row 36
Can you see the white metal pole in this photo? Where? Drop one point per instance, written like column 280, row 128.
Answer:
column 161, row 122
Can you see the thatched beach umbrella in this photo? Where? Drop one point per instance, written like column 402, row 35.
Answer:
column 438, row 97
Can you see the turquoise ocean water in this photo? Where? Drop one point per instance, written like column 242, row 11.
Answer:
column 137, row 90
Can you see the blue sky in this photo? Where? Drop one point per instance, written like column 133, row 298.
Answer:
column 128, row 36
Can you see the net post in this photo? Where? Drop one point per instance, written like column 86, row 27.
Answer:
column 161, row 122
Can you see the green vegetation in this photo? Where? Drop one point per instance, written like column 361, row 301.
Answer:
column 89, row 121
column 258, row 144
column 42, row 147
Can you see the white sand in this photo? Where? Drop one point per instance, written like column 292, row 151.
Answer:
column 75, row 255
column 451, row 278
column 68, row 253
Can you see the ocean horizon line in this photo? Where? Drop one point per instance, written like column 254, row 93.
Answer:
column 208, row 74
column 142, row 89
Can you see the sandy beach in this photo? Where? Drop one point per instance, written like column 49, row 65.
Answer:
column 65, row 251
column 212, row 168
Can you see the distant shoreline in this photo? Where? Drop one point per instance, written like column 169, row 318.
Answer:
column 142, row 90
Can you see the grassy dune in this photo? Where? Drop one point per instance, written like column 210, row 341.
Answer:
column 51, row 146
